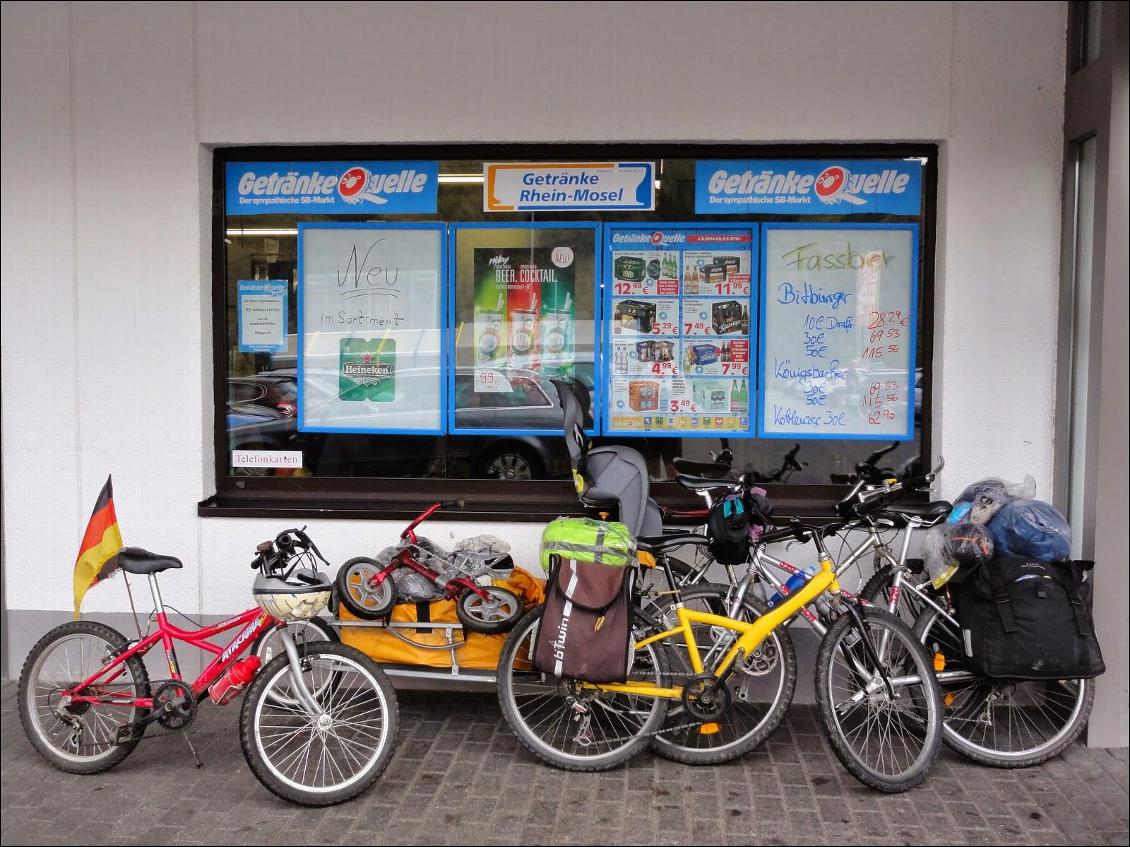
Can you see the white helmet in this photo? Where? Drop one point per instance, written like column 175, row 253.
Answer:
column 297, row 599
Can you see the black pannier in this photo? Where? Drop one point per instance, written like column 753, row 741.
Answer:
column 1026, row 619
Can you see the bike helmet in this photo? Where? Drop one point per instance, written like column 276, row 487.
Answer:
column 296, row 598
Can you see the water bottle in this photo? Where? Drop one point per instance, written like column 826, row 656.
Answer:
column 792, row 585
column 234, row 681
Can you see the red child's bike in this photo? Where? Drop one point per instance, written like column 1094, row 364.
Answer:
column 319, row 722
column 367, row 589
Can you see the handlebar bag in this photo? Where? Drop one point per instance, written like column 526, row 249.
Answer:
column 1022, row 618
column 727, row 527
column 587, row 540
column 585, row 630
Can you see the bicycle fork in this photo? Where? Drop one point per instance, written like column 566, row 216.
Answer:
column 304, row 696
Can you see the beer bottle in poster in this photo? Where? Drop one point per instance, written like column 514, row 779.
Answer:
column 734, row 398
column 745, row 320
column 743, row 397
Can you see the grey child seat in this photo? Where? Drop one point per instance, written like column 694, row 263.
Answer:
column 610, row 476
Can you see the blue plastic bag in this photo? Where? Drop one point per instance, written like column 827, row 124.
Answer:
column 1031, row 528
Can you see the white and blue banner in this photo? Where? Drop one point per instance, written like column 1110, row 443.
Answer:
column 568, row 186
column 808, row 187
column 332, row 188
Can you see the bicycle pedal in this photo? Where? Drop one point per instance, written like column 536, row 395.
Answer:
column 127, row 732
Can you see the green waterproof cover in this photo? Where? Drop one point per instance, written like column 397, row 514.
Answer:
column 587, row 540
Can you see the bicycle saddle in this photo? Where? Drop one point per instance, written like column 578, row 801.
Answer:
column 137, row 561
column 930, row 512
column 696, row 483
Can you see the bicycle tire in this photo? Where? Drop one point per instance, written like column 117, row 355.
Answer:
column 467, row 601
column 353, row 596
column 927, row 697
column 520, row 639
column 1078, row 700
column 254, row 719
column 782, row 654
column 136, row 667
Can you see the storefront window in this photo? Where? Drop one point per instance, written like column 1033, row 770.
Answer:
column 408, row 318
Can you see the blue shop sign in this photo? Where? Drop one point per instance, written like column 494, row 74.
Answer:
column 808, row 187
column 332, row 188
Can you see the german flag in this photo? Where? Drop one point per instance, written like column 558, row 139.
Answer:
column 98, row 555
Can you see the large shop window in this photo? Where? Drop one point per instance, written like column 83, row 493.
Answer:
column 389, row 325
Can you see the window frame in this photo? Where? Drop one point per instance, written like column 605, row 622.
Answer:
column 493, row 500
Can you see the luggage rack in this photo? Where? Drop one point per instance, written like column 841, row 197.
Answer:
column 453, row 640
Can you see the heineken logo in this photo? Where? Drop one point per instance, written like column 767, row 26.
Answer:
column 374, row 369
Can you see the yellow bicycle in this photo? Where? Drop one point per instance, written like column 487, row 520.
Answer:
column 877, row 696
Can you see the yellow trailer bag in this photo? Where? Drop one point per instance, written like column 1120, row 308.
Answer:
column 475, row 651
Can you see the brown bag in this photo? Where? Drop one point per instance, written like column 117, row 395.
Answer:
column 585, row 630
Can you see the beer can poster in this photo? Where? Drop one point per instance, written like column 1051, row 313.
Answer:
column 370, row 328
column 524, row 315
column 679, row 307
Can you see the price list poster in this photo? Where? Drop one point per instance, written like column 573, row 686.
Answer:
column 837, row 322
column 679, row 307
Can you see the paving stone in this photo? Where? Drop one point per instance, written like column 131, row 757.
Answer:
column 459, row 777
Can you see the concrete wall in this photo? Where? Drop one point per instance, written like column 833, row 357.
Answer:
column 108, row 111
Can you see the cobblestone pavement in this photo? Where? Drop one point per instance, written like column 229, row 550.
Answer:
column 459, row 777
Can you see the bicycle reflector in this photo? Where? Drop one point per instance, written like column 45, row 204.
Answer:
column 709, row 729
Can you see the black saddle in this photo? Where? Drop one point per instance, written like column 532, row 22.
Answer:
column 137, row 561
column 695, row 483
column 927, row 512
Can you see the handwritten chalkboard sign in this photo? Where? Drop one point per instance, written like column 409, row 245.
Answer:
column 837, row 325
column 370, row 331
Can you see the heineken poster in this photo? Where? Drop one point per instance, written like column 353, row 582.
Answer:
column 370, row 335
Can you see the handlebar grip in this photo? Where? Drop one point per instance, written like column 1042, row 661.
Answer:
column 458, row 503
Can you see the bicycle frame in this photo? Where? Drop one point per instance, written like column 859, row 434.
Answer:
column 254, row 622
column 751, row 635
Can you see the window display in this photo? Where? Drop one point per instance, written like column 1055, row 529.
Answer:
column 679, row 301
column 369, row 331
column 524, row 315
column 837, row 330
column 406, row 316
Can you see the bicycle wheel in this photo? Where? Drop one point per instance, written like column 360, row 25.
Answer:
column 329, row 758
column 887, row 737
column 877, row 588
column 1003, row 723
column 495, row 613
column 354, row 592
column 80, row 738
column 761, row 688
column 567, row 724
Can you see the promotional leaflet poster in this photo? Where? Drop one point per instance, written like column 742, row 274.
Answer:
column 524, row 314
column 370, row 332
column 837, row 319
column 262, row 315
column 679, row 307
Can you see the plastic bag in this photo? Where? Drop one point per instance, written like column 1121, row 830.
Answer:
column 980, row 502
column 1031, row 528
column 938, row 553
column 485, row 543
column 953, row 551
